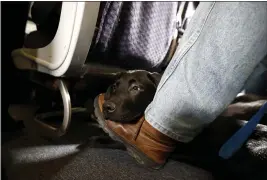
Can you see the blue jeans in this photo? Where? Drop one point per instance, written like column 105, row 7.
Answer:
column 221, row 48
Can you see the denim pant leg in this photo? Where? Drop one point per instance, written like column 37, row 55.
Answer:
column 223, row 44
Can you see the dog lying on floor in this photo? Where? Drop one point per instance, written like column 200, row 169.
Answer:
column 132, row 91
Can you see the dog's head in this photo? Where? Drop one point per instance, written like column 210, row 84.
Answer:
column 127, row 98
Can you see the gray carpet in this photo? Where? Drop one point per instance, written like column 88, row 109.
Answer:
column 34, row 158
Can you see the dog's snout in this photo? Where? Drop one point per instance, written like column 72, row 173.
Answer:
column 109, row 106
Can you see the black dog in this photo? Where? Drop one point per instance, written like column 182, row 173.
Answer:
column 127, row 98
column 133, row 91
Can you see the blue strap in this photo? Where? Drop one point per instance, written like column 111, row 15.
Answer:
column 240, row 137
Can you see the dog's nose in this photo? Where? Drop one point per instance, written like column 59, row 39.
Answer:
column 109, row 106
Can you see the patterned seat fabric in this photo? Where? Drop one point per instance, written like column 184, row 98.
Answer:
column 134, row 34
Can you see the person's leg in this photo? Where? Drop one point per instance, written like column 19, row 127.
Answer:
column 221, row 47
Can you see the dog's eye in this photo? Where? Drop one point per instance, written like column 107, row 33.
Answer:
column 136, row 88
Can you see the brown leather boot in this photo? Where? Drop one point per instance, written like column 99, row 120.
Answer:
column 143, row 142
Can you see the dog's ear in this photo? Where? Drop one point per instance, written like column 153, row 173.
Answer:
column 154, row 77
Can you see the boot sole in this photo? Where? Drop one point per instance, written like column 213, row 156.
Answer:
column 138, row 155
